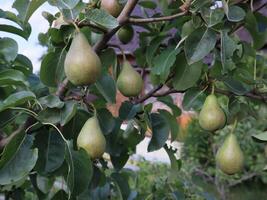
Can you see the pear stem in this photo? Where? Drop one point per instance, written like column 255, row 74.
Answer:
column 234, row 126
column 76, row 27
column 94, row 109
column 212, row 89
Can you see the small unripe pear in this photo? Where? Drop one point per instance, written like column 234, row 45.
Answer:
column 92, row 139
column 112, row 7
column 125, row 34
column 82, row 65
column 230, row 158
column 129, row 82
column 212, row 117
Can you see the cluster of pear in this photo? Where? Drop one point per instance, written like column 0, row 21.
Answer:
column 229, row 158
column 83, row 67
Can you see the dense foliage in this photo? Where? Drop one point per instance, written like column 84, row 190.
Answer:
column 191, row 47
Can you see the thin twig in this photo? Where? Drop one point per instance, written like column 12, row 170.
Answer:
column 155, row 19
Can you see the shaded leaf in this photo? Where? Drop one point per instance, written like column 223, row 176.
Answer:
column 199, row 44
column 26, row 8
column 101, row 17
column 16, row 99
column 160, row 132
column 20, row 163
column 9, row 49
column 13, row 77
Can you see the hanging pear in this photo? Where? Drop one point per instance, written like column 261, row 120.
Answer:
column 113, row 7
column 91, row 138
column 82, row 65
column 125, row 34
column 230, row 158
column 212, row 117
column 129, row 82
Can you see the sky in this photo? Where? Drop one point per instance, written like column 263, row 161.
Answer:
column 30, row 47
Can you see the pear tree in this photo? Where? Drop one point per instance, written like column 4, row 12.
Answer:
column 56, row 126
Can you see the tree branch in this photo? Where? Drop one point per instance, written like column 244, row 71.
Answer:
column 153, row 93
column 242, row 179
column 61, row 90
column 155, row 19
column 149, row 94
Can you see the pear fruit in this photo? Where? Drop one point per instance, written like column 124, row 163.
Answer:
column 125, row 34
column 265, row 151
column 92, row 139
column 82, row 65
column 212, row 117
column 230, row 158
column 129, row 82
column 113, row 7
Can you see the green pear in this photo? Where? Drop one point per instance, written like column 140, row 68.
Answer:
column 91, row 138
column 125, row 34
column 212, row 117
column 82, row 65
column 230, row 158
column 113, row 7
column 265, row 151
column 129, row 82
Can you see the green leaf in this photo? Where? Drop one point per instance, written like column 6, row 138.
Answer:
column 228, row 46
column 73, row 128
column 44, row 183
column 199, row 44
column 186, row 75
column 55, row 115
column 118, row 162
column 235, row 14
column 13, row 77
column 65, row 4
column 67, row 112
column 167, row 100
column 235, row 86
column 23, row 64
column 129, row 110
column 16, row 99
column 26, row 8
column 49, row 115
column 106, row 120
column 262, row 137
column 213, row 16
column 153, row 46
column 51, row 151
column 73, row 13
column 107, row 87
column 14, row 30
column 18, row 165
column 102, row 18
column 148, row 4
column 51, row 101
column 50, row 72
column 251, row 24
column 175, row 163
column 122, row 184
column 83, row 171
column 164, row 62
column 9, row 49
column 160, row 132
column 193, row 99
column 25, row 30
column 172, row 123
column 61, row 194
